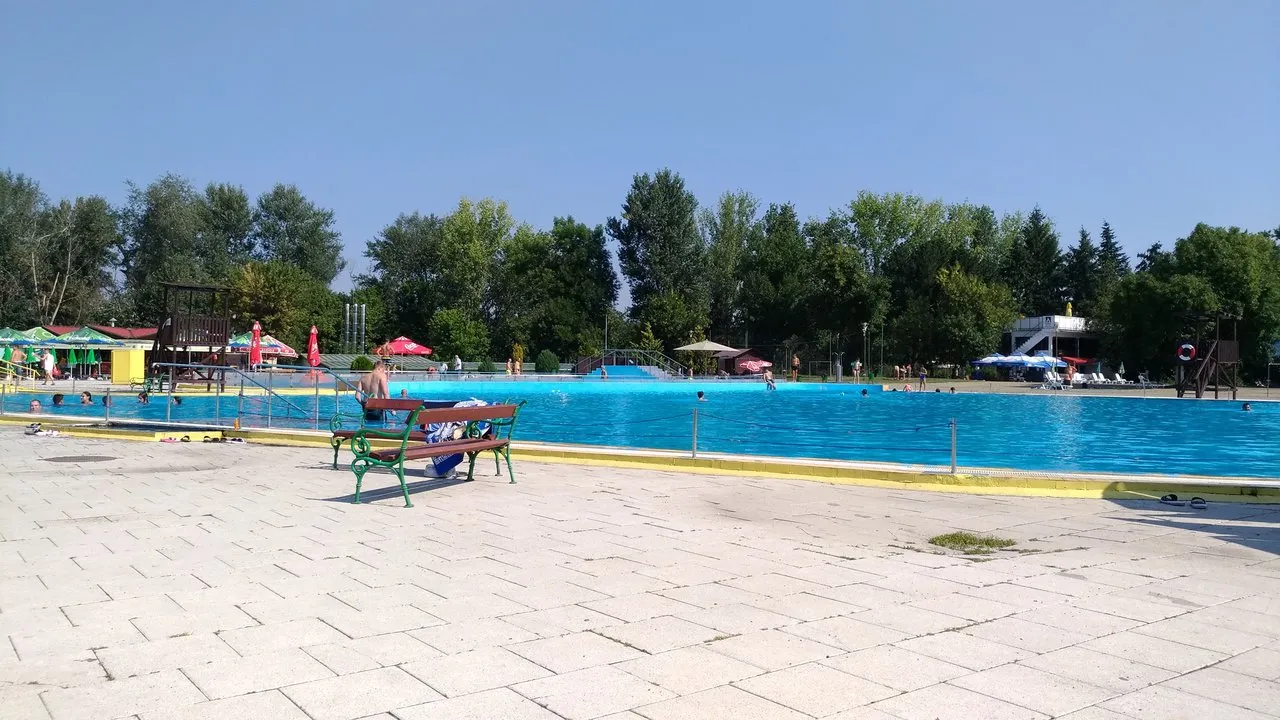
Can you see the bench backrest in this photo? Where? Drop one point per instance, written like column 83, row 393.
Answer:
column 465, row 414
column 392, row 404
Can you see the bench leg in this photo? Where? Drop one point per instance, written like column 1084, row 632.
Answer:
column 471, row 466
column 359, row 468
column 403, row 487
column 497, row 466
column 507, row 453
column 337, row 445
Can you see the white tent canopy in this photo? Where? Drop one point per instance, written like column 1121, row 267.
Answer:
column 706, row 346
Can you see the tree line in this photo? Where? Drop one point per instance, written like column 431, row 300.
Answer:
column 907, row 278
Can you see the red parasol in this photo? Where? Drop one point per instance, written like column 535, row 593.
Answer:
column 255, row 345
column 754, row 366
column 313, row 348
column 402, row 346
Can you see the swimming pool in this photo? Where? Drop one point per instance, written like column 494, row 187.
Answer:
column 1028, row 432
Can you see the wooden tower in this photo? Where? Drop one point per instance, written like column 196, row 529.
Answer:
column 195, row 329
column 1214, row 360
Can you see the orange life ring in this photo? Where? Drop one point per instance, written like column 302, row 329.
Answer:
column 1186, row 352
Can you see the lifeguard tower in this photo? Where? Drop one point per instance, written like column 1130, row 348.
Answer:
column 195, row 330
column 1211, row 360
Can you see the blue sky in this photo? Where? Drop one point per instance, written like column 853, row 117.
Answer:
column 1151, row 114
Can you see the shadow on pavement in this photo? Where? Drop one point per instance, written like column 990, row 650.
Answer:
column 373, row 494
column 1255, row 526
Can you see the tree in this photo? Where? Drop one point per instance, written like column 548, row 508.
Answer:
column 160, row 232
column 457, row 332
column 1113, row 264
column 647, row 340
column 473, row 236
column 1034, row 267
column 226, row 238
column 729, row 230
column 774, row 286
column 285, row 299
column 290, row 228
column 1082, row 275
column 971, row 316
column 406, row 273
column 661, row 252
column 1155, row 259
column 546, row 362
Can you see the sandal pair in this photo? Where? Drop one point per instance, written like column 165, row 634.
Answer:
column 1196, row 503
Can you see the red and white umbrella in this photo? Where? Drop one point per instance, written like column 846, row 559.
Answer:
column 255, row 345
column 402, row 346
column 754, row 366
column 313, row 348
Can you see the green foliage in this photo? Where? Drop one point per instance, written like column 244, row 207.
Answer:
column 517, row 352
column 456, row 332
column 290, row 228
column 546, row 362
column 729, row 230
column 361, row 364
column 661, row 252
column 1034, row 267
column 486, row 366
column 1083, row 276
column 647, row 340
column 971, row 543
column 286, row 300
column 970, row 317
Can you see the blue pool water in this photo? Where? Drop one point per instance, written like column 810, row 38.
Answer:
column 1029, row 432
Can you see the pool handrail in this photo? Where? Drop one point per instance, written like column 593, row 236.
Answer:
column 243, row 376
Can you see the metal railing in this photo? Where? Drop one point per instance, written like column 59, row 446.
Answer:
column 220, row 384
column 632, row 356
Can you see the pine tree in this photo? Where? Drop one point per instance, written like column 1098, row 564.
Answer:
column 1113, row 264
column 1083, row 274
column 1034, row 268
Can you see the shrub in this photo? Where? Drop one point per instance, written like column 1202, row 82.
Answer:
column 486, row 366
column 361, row 364
column 546, row 362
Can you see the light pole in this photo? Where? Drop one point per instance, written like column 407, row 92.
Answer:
column 866, row 349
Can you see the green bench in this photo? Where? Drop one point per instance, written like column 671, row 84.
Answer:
column 339, row 433
column 487, row 429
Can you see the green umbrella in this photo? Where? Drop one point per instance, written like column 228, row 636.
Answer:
column 72, row 359
column 39, row 333
column 9, row 333
column 90, row 357
column 6, row 354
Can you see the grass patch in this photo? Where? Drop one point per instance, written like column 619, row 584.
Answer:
column 971, row 544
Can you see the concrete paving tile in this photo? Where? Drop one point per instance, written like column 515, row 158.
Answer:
column 74, row 640
column 711, row 594
column 1100, row 669
column 340, row 658
column 476, row 634
column 166, row 654
column 1010, row 594
column 896, row 667
column 391, row 619
column 971, row 574
column 847, row 633
column 154, row 692
column 474, row 671
column 918, row 585
column 1131, row 608
column 23, row 702
column 686, row 574
column 1028, row 687
column 1026, row 635
column 948, row 702
column 205, row 620
column 828, row 574
column 499, row 704
column 257, row 706
column 736, row 618
column 964, row 650
column 550, row 595
column 360, row 694
column 240, row 676
column 1260, row 663
column 815, row 689
column 1095, row 713
column 1216, row 683
column 474, row 607
column 660, row 634
column 1165, row 703
column 58, row 671
column 281, row 610
column 280, row 636
column 632, row 608
column 722, row 703
column 1078, row 620
column 910, row 620
column 1186, row 629
column 592, row 693
column 805, row 606
column 393, row 648
column 773, row 649
column 1065, row 583
column 966, row 607
column 112, row 611
column 574, row 652
column 864, row 595
column 773, row 584
column 689, row 669
column 621, row 583
column 1154, row 651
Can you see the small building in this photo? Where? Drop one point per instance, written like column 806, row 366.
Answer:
column 1056, row 334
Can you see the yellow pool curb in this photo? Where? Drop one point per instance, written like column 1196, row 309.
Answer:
column 879, row 475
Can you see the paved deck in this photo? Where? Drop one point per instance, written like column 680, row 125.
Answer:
column 219, row 581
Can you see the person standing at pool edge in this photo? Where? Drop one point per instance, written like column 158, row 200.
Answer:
column 923, row 374
column 795, row 368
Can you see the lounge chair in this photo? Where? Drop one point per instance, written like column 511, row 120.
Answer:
column 1052, row 381
column 1119, row 380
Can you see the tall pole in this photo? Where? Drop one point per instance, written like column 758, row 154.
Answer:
column 606, row 332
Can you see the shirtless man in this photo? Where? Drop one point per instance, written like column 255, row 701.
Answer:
column 373, row 385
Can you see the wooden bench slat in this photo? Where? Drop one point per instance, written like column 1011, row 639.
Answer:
column 455, row 447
